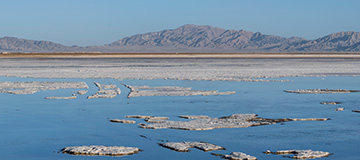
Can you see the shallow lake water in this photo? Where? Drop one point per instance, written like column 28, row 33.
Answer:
column 36, row 128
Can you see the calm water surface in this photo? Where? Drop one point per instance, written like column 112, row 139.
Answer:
column 36, row 128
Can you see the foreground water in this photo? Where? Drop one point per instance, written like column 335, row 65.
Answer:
column 36, row 128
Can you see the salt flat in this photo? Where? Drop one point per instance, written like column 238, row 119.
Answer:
column 197, row 68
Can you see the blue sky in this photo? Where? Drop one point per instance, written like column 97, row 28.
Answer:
column 98, row 22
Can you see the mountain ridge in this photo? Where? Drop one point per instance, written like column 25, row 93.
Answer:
column 199, row 38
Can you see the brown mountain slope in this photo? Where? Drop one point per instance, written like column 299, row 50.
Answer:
column 195, row 38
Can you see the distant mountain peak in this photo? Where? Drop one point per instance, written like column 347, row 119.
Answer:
column 200, row 38
column 20, row 45
column 193, row 26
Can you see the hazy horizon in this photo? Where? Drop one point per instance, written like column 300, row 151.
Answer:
column 91, row 22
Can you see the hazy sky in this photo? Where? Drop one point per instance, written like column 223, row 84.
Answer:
column 98, row 22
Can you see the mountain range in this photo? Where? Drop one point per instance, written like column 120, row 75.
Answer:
column 198, row 38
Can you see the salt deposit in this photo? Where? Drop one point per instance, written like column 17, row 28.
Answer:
column 320, row 91
column 302, row 154
column 71, row 97
column 233, row 121
column 339, row 109
column 138, row 116
column 330, row 103
column 138, row 91
column 33, row 87
column 122, row 121
column 195, row 117
column 184, row 146
column 159, row 118
column 82, row 92
column 239, row 156
column 101, row 150
column 101, row 96
column 156, row 119
column 105, row 91
column 149, row 119
column 211, row 69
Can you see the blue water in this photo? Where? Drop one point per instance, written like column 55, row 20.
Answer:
column 36, row 128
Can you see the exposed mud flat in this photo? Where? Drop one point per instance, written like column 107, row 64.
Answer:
column 233, row 121
column 139, row 91
column 301, row 154
column 320, row 91
column 100, row 150
column 184, row 146
column 33, row 87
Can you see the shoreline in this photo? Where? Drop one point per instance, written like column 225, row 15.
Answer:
column 179, row 55
column 259, row 69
